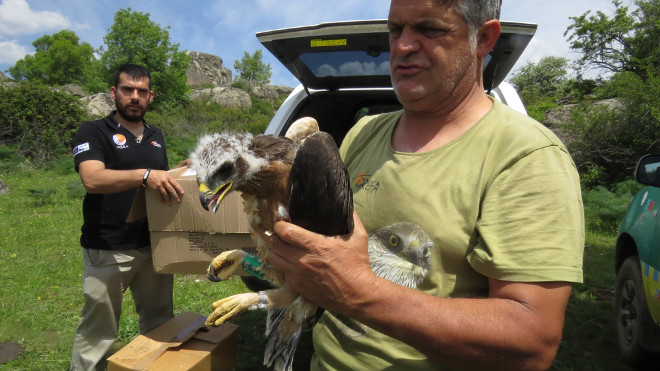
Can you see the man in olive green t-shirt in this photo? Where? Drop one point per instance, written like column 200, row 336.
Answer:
column 495, row 191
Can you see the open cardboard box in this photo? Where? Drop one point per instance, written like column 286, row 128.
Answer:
column 182, row 343
column 184, row 236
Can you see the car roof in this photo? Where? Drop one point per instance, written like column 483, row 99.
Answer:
column 355, row 54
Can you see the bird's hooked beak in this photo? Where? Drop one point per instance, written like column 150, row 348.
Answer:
column 211, row 199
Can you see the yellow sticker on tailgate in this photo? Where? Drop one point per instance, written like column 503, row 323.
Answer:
column 317, row 43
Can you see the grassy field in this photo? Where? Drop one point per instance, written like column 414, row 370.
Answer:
column 41, row 266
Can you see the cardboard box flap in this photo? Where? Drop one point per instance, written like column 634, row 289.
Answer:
column 215, row 334
column 170, row 335
column 183, row 343
column 189, row 214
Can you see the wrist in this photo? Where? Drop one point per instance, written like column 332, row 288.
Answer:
column 145, row 176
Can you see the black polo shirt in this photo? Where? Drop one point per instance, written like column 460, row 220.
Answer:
column 104, row 215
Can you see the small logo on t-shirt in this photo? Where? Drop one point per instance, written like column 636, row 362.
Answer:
column 363, row 181
column 81, row 148
column 156, row 144
column 119, row 139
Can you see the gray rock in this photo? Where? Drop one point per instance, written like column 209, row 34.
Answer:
column 8, row 84
column 72, row 89
column 4, row 188
column 267, row 92
column 556, row 118
column 226, row 97
column 99, row 105
column 281, row 89
column 206, row 69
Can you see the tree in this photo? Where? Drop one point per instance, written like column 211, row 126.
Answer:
column 251, row 69
column 546, row 78
column 134, row 38
column 627, row 47
column 627, row 41
column 59, row 59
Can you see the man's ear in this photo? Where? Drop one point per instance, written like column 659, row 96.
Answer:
column 487, row 37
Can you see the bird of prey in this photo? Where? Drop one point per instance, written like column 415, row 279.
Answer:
column 302, row 181
column 400, row 253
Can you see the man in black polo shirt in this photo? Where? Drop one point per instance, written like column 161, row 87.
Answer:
column 114, row 157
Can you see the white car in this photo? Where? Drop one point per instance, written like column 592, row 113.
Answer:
column 343, row 69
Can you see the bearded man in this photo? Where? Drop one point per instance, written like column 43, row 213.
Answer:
column 114, row 156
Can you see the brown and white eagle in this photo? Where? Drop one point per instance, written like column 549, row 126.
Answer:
column 302, row 181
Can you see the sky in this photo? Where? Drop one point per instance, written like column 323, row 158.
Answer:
column 227, row 28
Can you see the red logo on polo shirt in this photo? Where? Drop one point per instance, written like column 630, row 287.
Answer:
column 119, row 139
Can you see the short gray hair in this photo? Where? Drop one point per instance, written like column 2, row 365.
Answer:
column 476, row 12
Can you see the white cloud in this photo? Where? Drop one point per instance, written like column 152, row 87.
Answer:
column 11, row 51
column 16, row 18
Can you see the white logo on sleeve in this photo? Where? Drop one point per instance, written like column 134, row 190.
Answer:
column 80, row 148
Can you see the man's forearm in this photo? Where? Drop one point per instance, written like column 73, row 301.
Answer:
column 113, row 181
column 493, row 333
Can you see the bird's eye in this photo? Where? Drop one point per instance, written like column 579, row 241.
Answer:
column 394, row 240
column 225, row 170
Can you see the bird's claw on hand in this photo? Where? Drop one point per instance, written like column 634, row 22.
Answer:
column 211, row 275
column 225, row 265
column 228, row 308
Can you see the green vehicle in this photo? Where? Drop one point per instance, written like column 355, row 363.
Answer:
column 637, row 264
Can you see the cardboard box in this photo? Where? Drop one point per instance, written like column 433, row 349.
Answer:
column 182, row 343
column 184, row 236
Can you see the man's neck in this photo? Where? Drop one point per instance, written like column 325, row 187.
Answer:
column 426, row 131
column 130, row 125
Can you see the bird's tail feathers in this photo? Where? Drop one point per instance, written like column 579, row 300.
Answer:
column 280, row 350
column 283, row 329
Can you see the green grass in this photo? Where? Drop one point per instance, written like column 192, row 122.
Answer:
column 41, row 295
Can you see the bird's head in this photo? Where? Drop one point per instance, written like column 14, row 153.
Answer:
column 408, row 241
column 223, row 162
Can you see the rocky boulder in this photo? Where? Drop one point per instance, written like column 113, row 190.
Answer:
column 269, row 92
column 72, row 89
column 226, row 97
column 556, row 117
column 206, row 69
column 3, row 187
column 99, row 105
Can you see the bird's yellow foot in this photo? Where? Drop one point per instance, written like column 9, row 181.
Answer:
column 225, row 265
column 228, row 308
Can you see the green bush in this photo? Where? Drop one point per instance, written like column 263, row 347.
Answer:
column 183, row 128
column 39, row 122
column 604, row 208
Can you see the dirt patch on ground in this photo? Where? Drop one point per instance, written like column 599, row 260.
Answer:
column 9, row 351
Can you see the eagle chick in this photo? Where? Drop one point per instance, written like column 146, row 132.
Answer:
column 279, row 179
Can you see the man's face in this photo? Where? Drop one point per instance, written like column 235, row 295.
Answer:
column 432, row 61
column 132, row 97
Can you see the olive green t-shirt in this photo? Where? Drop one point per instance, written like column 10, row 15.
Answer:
column 501, row 201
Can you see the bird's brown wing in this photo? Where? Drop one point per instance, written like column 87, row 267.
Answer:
column 321, row 198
